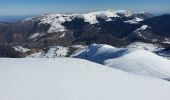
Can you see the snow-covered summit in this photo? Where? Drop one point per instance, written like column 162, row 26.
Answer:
column 131, row 60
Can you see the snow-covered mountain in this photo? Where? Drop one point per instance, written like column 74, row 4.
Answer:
column 119, row 28
column 128, row 52
column 68, row 29
column 131, row 60
column 56, row 20
column 74, row 79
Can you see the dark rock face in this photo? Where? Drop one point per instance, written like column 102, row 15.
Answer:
column 160, row 25
column 77, row 26
column 118, row 28
column 16, row 32
column 109, row 32
column 7, row 51
column 3, row 28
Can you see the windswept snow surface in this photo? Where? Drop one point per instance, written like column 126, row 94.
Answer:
column 74, row 79
column 131, row 60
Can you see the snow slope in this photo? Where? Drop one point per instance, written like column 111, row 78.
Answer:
column 21, row 49
column 35, row 35
column 142, row 28
column 131, row 60
column 74, row 79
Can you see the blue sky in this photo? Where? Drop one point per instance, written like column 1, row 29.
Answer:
column 37, row 7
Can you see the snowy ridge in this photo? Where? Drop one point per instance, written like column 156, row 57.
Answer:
column 142, row 28
column 131, row 60
column 134, row 21
column 56, row 20
column 74, row 79
column 139, row 30
column 35, row 35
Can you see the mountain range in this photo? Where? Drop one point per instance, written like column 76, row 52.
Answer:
column 114, row 27
column 106, row 55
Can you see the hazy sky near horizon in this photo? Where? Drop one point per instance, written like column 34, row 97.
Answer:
column 36, row 7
